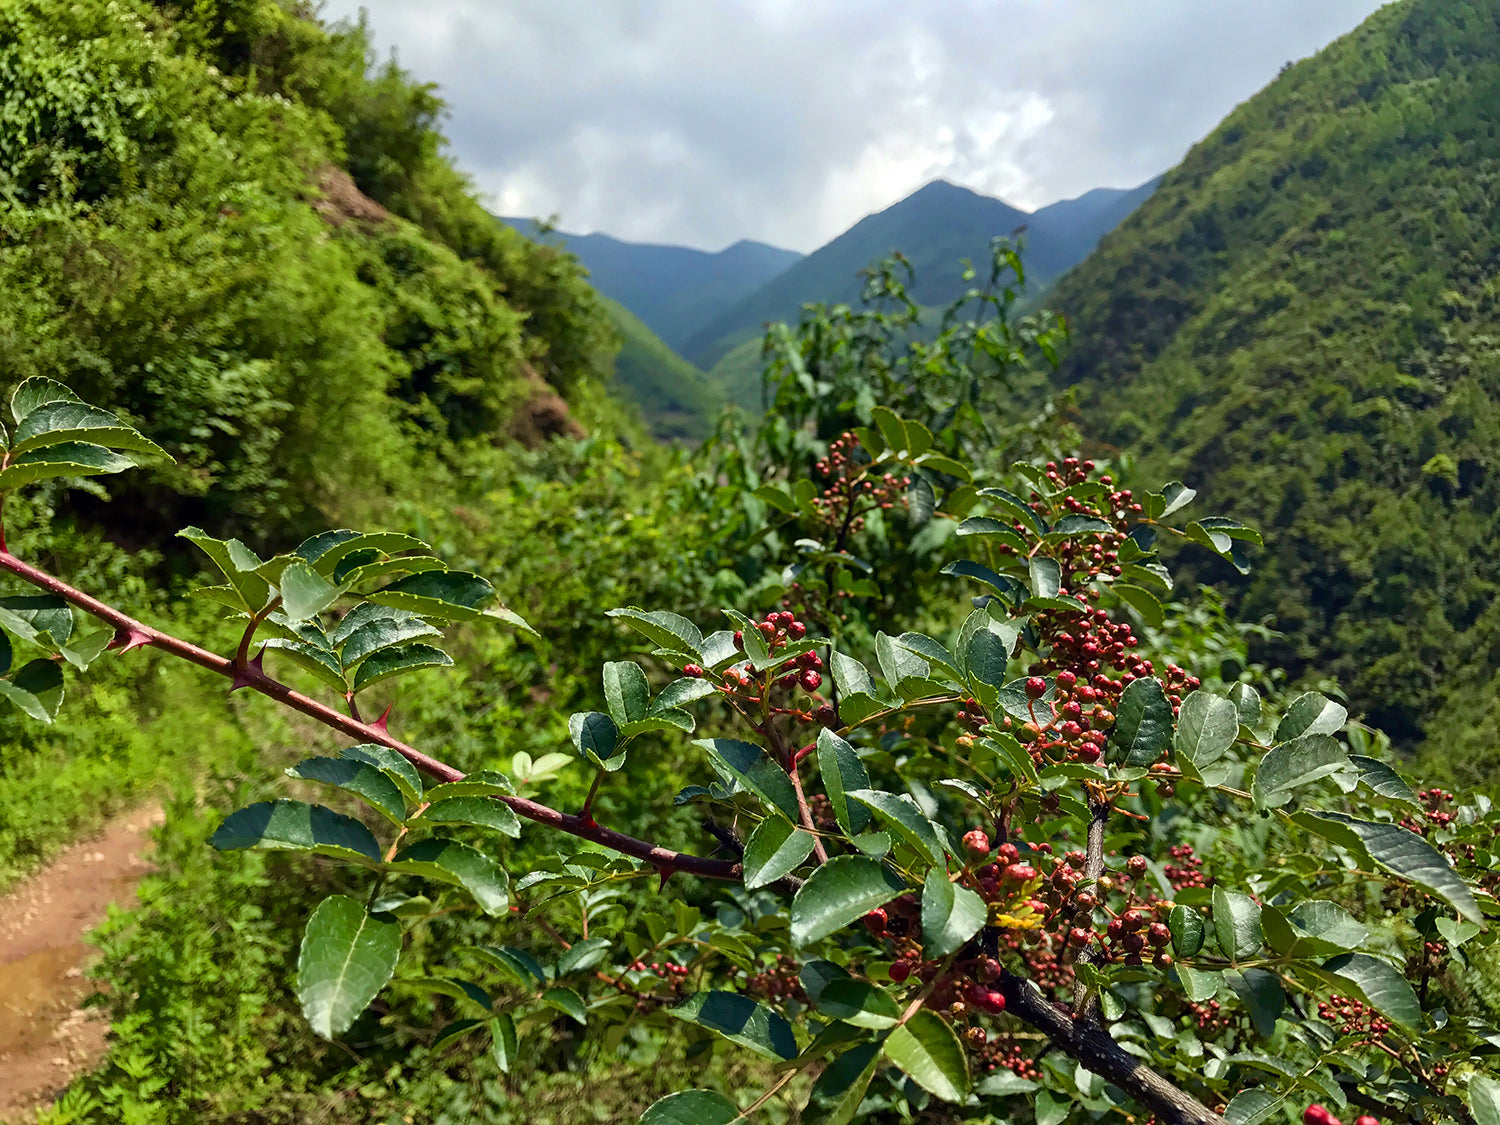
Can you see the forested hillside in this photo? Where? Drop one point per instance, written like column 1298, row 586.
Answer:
column 1303, row 322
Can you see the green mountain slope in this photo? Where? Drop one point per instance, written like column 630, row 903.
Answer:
column 934, row 227
column 674, row 290
column 1304, row 322
column 676, row 399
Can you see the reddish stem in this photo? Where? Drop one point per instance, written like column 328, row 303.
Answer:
column 253, row 677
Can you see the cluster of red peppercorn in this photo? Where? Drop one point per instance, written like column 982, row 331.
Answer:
column 1354, row 1017
column 966, row 988
column 1318, row 1115
column 779, row 629
column 846, row 498
column 669, row 986
column 1206, row 1016
column 1432, row 959
column 1005, row 1051
column 777, row 982
column 1435, row 815
column 1187, row 871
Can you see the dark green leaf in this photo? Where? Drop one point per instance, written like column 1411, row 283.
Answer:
column 992, row 528
column 1262, row 995
column 1186, row 925
column 1015, row 505
column 327, row 550
column 67, row 459
column 595, row 737
column 568, row 1002
column 679, row 692
column 228, row 555
column 1198, row 984
column 1383, row 780
column 860, row 1003
column 1206, row 728
column 1175, row 495
column 43, row 619
column 921, row 500
column 741, row 1020
column 1236, row 924
column 1378, row 984
column 313, row 659
column 451, row 595
column 626, row 691
column 1408, row 855
column 481, row 812
column 36, row 689
column 774, row 849
column 1253, row 1106
column 451, row 862
column 296, row 826
column 752, row 767
column 928, row 1049
column 521, row 967
column 1046, row 577
column 841, row 1087
column 35, row 392
column 347, row 957
column 480, row 783
column 691, row 1107
column 1007, row 587
column 1143, row 724
column 951, row 914
column 584, row 955
column 1144, row 602
column 897, row 662
column 368, row 628
column 392, row 764
column 816, row 975
column 900, row 815
column 366, row 782
column 1247, row 701
column 503, row 1046
column 838, row 893
column 397, row 660
column 665, row 630
column 841, row 770
column 850, row 676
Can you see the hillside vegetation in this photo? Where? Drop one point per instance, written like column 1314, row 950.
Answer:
column 1304, row 321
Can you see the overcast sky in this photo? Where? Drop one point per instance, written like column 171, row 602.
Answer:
column 700, row 122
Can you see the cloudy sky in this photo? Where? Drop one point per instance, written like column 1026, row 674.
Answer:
column 700, row 122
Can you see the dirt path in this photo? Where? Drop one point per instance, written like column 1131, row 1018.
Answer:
column 45, row 1039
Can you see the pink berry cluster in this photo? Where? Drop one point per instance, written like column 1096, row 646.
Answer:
column 1187, row 871
column 779, row 629
column 1436, row 813
column 1318, row 1115
column 1354, row 1017
column 654, row 984
column 849, row 494
column 777, row 982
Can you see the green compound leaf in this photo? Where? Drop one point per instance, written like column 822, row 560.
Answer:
column 68, row 459
column 1143, row 724
column 664, row 629
column 841, row 1087
column 56, row 422
column 1378, row 984
column 691, row 1107
column 449, row 595
column 1311, row 713
column 750, row 766
column 296, row 826
column 928, row 1049
column 838, row 893
column 741, row 1020
column 347, row 957
column 626, row 690
column 1403, row 853
column 325, row 551
column 36, row 689
column 392, row 764
column 775, row 848
column 1206, row 728
column 448, row 861
column 1292, row 764
column 481, row 812
column 841, row 770
column 951, row 914
column 397, row 660
column 904, row 819
column 366, row 782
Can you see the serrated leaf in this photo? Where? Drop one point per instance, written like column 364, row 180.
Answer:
column 775, row 848
column 226, row 554
column 451, row 595
column 481, row 812
column 392, row 764
column 1311, row 713
column 850, row 676
column 368, row 628
column 347, row 956
column 951, row 914
column 568, row 1002
column 399, row 659
column 680, row 692
column 1247, row 701
column 900, row 815
column 626, row 691
column 841, row 770
column 296, row 826
column 664, row 629
column 897, row 662
column 480, row 783
column 1206, row 729
column 1007, row 587
column 1068, row 527
column 1144, row 602
column 928, row 1050
column 741, row 1020
column 516, row 964
column 838, row 893
column 1300, row 761
column 1175, row 495
column 1016, row 506
column 66, row 459
column 751, row 767
column 837, row 1094
column 1236, row 924
column 326, row 550
column 1408, row 855
column 583, row 955
column 35, row 392
column 1384, row 781
column 1263, row 997
column 1046, row 577
column 310, row 658
column 595, row 737
column 1199, row 985
column 366, row 782
column 1143, row 724
column 691, row 1107
column 992, row 528
column 357, row 569
column 1252, row 1106
column 448, row 861
column 56, row 422
column 1378, row 984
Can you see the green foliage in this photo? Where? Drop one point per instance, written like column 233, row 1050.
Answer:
column 1301, row 321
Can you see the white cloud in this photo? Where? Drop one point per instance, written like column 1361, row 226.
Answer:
column 787, row 120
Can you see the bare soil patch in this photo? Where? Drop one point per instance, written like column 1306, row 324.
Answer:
column 45, row 1037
